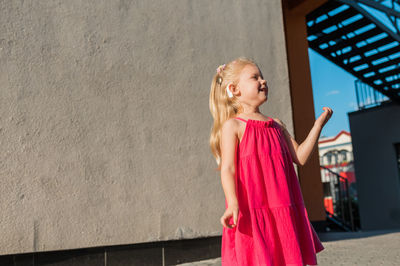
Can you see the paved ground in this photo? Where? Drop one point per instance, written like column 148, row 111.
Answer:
column 372, row 248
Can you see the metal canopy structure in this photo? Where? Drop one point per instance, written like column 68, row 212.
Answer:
column 345, row 33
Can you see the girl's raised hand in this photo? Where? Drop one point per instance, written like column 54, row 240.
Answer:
column 324, row 117
column 231, row 211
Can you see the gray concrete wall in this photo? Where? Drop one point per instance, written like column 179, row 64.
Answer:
column 374, row 133
column 104, row 118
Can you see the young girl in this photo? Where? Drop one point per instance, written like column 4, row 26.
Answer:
column 265, row 222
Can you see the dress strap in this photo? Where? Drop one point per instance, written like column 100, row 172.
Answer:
column 241, row 119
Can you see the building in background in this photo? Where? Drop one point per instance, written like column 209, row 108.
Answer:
column 362, row 38
column 338, row 178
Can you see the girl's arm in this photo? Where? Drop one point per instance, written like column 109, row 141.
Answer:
column 301, row 153
column 228, row 145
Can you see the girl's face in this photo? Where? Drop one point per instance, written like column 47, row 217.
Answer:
column 252, row 85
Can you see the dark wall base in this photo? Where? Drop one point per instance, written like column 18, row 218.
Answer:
column 148, row 254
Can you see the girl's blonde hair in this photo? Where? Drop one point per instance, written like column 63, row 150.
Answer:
column 222, row 107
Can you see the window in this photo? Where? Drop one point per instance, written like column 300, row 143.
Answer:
column 343, row 155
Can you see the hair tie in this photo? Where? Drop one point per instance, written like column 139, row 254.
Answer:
column 220, row 68
column 219, row 80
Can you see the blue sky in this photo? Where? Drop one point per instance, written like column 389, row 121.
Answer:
column 332, row 87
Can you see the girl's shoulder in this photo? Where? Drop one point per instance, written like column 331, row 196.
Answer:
column 280, row 123
column 230, row 125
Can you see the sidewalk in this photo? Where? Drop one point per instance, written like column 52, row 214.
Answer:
column 372, row 248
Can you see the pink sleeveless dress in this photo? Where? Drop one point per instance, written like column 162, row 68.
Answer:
column 273, row 228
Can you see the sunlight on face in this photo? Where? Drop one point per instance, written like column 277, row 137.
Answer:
column 252, row 85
